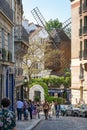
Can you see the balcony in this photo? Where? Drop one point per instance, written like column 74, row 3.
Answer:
column 6, row 9
column 5, row 55
column 21, row 35
column 85, row 29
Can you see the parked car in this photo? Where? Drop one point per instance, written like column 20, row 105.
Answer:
column 83, row 110
column 63, row 109
column 72, row 111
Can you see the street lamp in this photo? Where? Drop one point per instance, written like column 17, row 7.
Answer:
column 26, row 87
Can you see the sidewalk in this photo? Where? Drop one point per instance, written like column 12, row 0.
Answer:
column 28, row 124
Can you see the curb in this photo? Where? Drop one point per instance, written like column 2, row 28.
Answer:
column 33, row 125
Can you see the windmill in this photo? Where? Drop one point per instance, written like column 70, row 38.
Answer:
column 41, row 21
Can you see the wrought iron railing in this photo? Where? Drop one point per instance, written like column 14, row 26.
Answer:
column 20, row 34
column 5, row 7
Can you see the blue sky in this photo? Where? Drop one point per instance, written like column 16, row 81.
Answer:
column 50, row 9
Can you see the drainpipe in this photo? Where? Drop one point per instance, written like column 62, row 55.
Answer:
column 13, row 78
column 13, row 32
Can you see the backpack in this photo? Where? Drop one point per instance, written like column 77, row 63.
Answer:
column 6, row 118
column 45, row 106
column 30, row 108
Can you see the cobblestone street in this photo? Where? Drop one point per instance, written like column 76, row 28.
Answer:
column 63, row 123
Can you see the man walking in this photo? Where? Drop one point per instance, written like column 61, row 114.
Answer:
column 46, row 109
column 19, row 106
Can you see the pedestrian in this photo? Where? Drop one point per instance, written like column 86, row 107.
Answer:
column 38, row 110
column 30, row 108
column 7, row 117
column 19, row 106
column 25, row 110
column 34, row 112
column 52, row 109
column 57, row 109
column 46, row 109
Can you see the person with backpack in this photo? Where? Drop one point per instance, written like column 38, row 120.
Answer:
column 7, row 117
column 46, row 109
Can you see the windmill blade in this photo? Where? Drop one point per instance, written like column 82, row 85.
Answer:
column 41, row 21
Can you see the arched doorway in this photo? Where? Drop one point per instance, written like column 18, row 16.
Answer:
column 36, row 90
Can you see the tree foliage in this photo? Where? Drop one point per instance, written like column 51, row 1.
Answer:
column 52, row 57
column 32, row 59
column 53, row 24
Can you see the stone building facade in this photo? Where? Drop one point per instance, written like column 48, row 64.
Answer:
column 6, row 50
column 14, row 42
column 21, row 44
column 79, row 51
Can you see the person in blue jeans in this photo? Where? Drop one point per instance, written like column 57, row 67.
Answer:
column 25, row 110
column 30, row 109
column 19, row 106
column 57, row 109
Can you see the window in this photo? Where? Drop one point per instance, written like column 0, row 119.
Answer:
column 81, row 71
column 85, row 21
column 2, row 38
column 80, row 54
column 9, row 39
column 85, row 44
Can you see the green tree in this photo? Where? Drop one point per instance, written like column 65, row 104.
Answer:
column 32, row 59
column 53, row 24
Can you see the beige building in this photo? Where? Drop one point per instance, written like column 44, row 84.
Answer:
column 79, row 51
column 14, row 42
column 6, row 49
column 21, row 44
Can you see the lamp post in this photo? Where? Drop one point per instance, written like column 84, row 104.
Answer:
column 26, row 88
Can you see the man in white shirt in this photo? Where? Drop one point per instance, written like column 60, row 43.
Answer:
column 19, row 106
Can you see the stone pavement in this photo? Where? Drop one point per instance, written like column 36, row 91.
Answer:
column 28, row 124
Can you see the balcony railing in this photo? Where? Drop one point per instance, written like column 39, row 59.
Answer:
column 5, row 55
column 5, row 7
column 20, row 34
